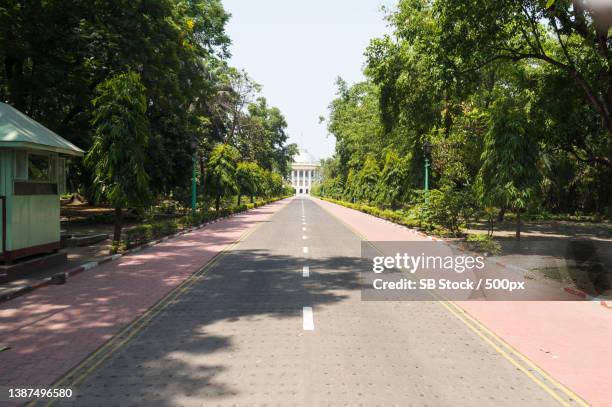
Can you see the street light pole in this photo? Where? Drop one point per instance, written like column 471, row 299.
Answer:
column 194, row 145
column 426, row 175
column 426, row 153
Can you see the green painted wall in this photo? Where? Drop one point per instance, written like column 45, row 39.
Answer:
column 35, row 220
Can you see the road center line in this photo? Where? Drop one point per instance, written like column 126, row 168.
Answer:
column 308, row 322
column 306, row 271
column 305, row 249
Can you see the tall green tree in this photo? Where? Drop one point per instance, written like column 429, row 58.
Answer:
column 247, row 179
column 222, row 172
column 117, row 156
column 394, row 182
column 367, row 180
column 263, row 137
column 509, row 173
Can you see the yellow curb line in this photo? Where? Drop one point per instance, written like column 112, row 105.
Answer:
column 115, row 344
column 473, row 324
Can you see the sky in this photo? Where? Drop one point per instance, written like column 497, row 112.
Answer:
column 296, row 50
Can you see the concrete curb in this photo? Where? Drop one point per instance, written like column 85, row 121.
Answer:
column 21, row 290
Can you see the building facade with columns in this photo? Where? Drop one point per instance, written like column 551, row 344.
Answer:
column 304, row 172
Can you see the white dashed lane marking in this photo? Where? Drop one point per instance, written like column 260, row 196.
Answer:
column 305, row 249
column 308, row 323
column 306, row 271
column 304, row 237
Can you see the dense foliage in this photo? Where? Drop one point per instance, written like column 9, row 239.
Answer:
column 56, row 55
column 515, row 97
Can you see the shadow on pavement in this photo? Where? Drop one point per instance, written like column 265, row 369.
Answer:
column 229, row 313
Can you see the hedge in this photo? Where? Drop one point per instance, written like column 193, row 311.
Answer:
column 141, row 234
column 388, row 214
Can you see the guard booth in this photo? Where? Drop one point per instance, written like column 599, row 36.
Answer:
column 32, row 178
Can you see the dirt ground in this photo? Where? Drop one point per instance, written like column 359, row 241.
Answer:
column 569, row 252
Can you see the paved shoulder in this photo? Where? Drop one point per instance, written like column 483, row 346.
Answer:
column 52, row 329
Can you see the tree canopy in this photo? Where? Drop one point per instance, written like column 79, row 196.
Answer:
column 178, row 49
column 514, row 96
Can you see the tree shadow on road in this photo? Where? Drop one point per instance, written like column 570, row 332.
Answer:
column 182, row 355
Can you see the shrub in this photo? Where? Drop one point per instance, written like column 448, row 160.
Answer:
column 186, row 221
column 118, row 247
column 147, row 232
column 169, row 207
column 483, row 243
column 139, row 235
column 165, row 228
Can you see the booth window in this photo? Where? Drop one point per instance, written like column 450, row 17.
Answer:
column 35, row 174
column 39, row 168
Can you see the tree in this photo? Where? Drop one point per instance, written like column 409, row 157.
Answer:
column 568, row 38
column 247, row 179
column 243, row 89
column 367, row 180
column 276, row 184
column 262, row 137
column 117, row 157
column 178, row 48
column 393, row 185
column 222, row 172
column 445, row 70
column 508, row 176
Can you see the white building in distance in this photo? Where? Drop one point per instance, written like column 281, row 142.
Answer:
column 304, row 172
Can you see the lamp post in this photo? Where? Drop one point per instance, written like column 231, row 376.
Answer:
column 426, row 153
column 193, row 145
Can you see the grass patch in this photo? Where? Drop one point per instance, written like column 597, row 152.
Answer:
column 559, row 274
column 483, row 243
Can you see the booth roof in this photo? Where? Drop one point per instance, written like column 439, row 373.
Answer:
column 20, row 131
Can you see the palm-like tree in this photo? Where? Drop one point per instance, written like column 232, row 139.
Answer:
column 118, row 152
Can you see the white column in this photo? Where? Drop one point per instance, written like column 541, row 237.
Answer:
column 309, row 180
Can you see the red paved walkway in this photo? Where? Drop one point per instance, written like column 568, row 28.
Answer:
column 51, row 329
column 572, row 341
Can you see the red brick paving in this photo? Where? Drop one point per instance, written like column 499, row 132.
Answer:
column 572, row 341
column 53, row 328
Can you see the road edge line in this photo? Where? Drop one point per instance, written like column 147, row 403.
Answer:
column 560, row 386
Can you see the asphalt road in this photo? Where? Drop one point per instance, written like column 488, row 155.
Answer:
column 278, row 320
